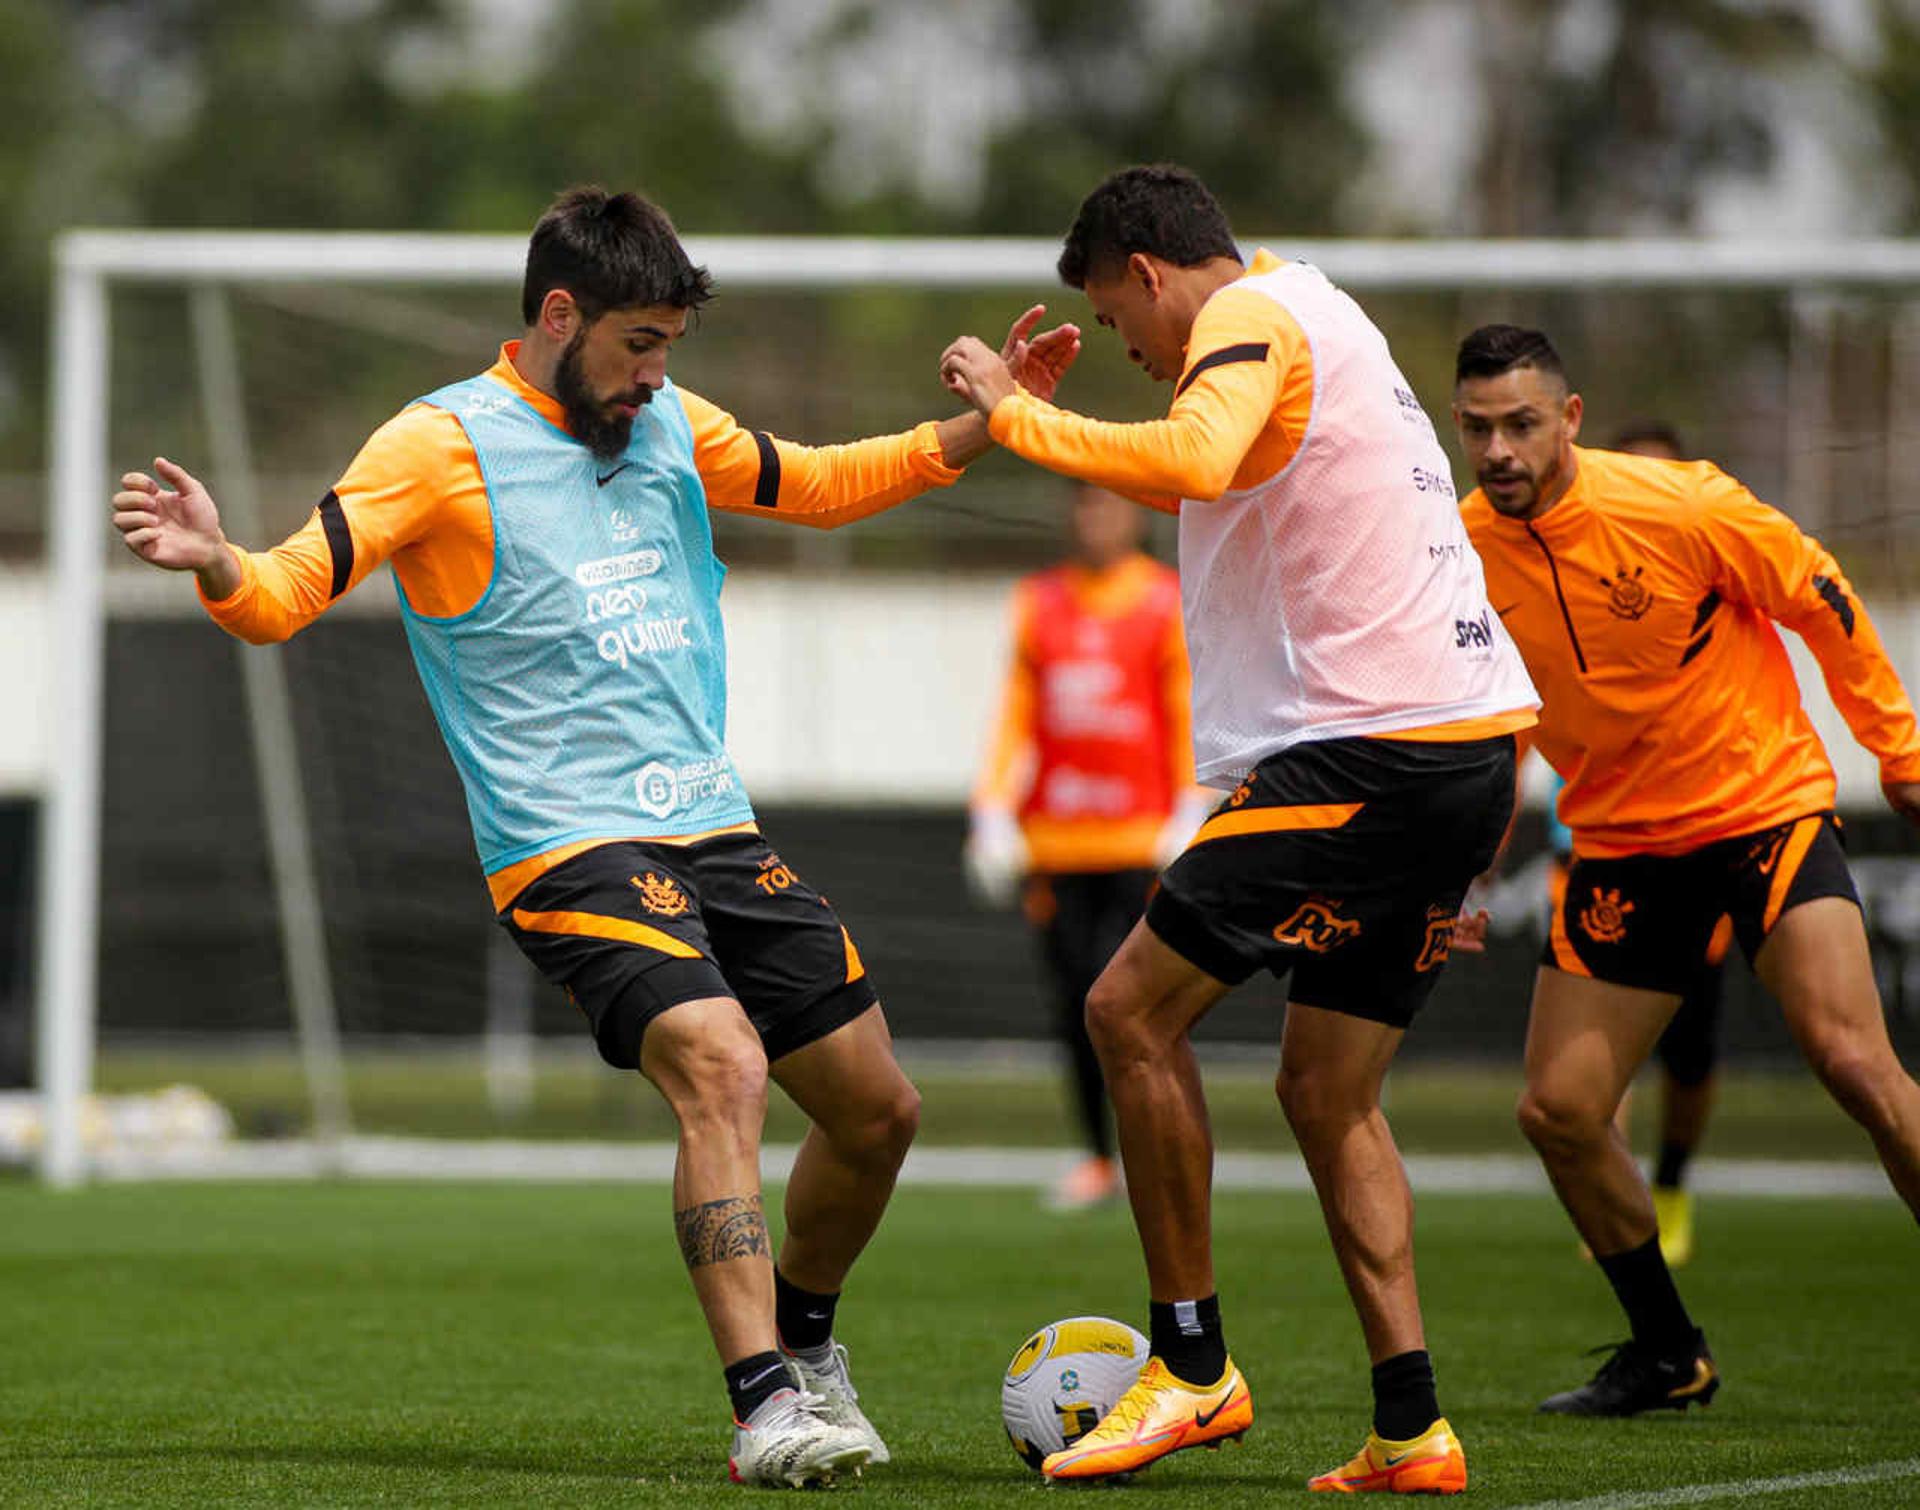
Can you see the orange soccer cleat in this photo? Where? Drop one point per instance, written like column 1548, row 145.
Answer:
column 1159, row 1415
column 1432, row 1463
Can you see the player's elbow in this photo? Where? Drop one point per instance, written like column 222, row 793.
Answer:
column 1203, row 480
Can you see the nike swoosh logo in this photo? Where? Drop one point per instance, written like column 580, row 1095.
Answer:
column 1503, row 612
column 1395, row 1459
column 603, row 481
column 1205, row 1418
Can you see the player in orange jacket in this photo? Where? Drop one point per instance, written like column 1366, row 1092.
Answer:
column 1644, row 594
column 1088, row 788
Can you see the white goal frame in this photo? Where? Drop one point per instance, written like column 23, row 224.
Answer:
column 89, row 263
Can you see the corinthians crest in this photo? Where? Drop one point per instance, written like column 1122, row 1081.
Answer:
column 661, row 894
column 1627, row 596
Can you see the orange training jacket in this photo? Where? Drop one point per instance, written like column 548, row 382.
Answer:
column 1644, row 602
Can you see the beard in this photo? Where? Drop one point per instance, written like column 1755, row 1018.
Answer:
column 593, row 421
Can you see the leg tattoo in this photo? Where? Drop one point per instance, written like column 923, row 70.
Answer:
column 715, row 1231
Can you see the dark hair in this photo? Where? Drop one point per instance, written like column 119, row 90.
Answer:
column 1647, row 431
column 1162, row 210
column 1494, row 349
column 610, row 251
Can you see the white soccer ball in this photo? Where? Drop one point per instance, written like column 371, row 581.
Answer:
column 1064, row 1378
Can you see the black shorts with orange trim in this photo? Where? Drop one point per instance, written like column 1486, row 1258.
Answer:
column 1648, row 920
column 633, row 929
column 1344, row 862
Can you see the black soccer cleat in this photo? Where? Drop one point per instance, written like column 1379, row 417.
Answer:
column 1634, row 1379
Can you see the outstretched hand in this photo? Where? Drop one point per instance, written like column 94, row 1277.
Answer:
column 175, row 526
column 1038, row 364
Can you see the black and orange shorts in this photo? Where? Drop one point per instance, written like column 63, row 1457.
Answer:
column 1648, row 920
column 631, row 929
column 1342, row 862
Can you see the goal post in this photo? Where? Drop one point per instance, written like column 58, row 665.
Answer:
column 91, row 264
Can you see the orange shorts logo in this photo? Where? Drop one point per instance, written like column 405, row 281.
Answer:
column 1605, row 920
column 1316, row 925
column 661, row 894
column 1438, row 943
column 1627, row 596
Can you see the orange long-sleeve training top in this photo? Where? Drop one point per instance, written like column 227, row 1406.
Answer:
column 1644, row 602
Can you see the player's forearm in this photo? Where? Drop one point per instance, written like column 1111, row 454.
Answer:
column 1866, row 690
column 271, row 595
column 1185, row 455
column 828, row 486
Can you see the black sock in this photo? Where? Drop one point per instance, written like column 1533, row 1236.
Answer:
column 1187, row 1338
column 1645, row 1287
column 1671, row 1171
column 803, row 1319
column 753, row 1381
column 1404, row 1402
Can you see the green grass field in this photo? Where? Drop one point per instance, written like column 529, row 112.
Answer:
column 434, row 1344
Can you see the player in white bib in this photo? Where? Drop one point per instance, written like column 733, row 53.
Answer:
column 1358, row 696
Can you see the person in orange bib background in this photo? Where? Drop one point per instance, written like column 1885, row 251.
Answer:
column 1088, row 787
column 1643, row 594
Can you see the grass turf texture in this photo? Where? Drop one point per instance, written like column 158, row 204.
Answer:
column 441, row 1344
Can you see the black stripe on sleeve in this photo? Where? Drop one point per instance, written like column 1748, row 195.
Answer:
column 766, row 492
column 1709, row 605
column 1246, row 351
column 1696, row 647
column 339, row 541
column 1835, row 599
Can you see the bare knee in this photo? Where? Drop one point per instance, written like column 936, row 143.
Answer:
column 1113, row 1026
column 1317, row 1104
column 720, row 1083
column 880, row 1135
column 1560, row 1125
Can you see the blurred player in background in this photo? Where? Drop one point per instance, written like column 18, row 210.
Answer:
column 1356, row 693
column 1644, row 595
column 1088, row 783
column 547, row 525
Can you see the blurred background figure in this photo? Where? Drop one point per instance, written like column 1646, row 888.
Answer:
column 1088, row 783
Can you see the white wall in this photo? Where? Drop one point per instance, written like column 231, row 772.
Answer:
column 863, row 687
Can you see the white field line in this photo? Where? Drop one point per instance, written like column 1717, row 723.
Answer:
column 1029, row 1168
column 1739, row 1489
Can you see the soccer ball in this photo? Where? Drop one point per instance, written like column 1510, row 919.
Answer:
column 1064, row 1378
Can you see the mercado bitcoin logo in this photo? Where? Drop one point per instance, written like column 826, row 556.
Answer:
column 1316, row 926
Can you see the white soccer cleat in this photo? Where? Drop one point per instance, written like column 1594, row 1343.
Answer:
column 790, row 1442
column 830, row 1380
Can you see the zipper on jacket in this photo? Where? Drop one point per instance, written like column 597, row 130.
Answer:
column 1565, row 617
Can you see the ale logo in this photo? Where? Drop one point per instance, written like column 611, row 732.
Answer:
column 1438, row 943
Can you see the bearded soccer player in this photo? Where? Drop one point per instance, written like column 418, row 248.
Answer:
column 547, row 524
column 1644, row 595
column 1355, row 692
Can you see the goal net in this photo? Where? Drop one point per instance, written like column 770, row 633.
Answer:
column 256, row 875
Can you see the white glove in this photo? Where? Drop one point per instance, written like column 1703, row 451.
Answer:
column 995, row 857
column 1181, row 825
